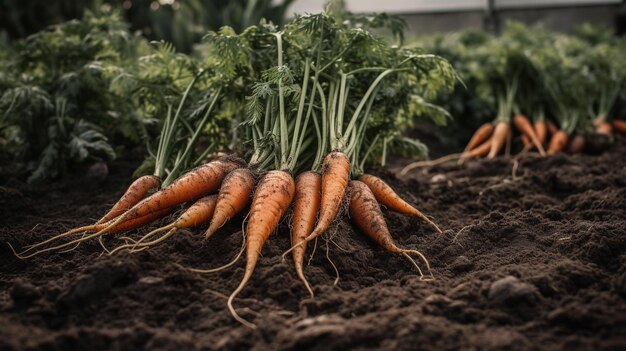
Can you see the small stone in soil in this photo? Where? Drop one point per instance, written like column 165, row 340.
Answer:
column 150, row 280
column 509, row 289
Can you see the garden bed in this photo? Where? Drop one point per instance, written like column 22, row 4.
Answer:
column 531, row 262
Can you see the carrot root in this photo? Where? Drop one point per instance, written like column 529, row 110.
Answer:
column 498, row 139
column 386, row 196
column 522, row 124
column 366, row 214
column 273, row 196
column 135, row 193
column 480, row 136
column 429, row 163
column 306, row 205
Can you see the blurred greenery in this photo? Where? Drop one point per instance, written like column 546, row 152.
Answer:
column 181, row 22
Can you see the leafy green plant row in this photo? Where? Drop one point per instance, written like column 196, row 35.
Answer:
column 575, row 80
column 86, row 90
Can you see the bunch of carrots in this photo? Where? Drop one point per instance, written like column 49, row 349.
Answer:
column 550, row 92
column 314, row 90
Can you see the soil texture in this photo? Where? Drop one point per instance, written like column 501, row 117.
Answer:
column 533, row 257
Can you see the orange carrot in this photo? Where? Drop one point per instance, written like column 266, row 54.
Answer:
column 273, row 196
column 500, row 133
column 481, row 135
column 577, row 145
column 541, row 129
column 234, row 196
column 366, row 214
column 602, row 126
column 305, row 208
column 200, row 181
column 479, row 151
column 135, row 193
column 385, row 195
column 335, row 177
column 121, row 227
column 619, row 126
column 558, row 142
column 200, row 212
column 522, row 124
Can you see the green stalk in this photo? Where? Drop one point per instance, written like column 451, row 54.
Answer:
column 284, row 133
column 361, row 104
column 343, row 96
column 305, row 83
column 332, row 111
column 159, row 166
column 164, row 151
column 361, row 164
column 192, row 142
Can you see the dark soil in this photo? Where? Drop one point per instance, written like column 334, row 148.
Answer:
column 532, row 262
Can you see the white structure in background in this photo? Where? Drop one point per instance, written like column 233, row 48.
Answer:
column 421, row 6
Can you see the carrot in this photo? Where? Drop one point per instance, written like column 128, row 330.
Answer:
column 273, row 196
column 619, row 126
column 498, row 139
column 385, row 195
column 233, row 197
column 481, row 135
column 305, row 208
column 121, row 227
column 200, row 181
column 335, row 177
column 602, row 126
column 577, row 145
column 366, row 214
column 522, row 124
column 479, row 151
column 541, row 129
column 135, row 193
column 200, row 212
column 558, row 142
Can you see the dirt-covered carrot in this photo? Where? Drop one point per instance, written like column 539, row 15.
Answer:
column 234, row 196
column 385, row 195
column 200, row 181
column 602, row 126
column 135, row 193
column 558, row 142
column 121, row 227
column 577, row 144
column 619, row 125
column 480, row 150
column 199, row 213
column 305, row 208
column 366, row 214
column 541, row 128
column 335, row 177
column 271, row 200
column 498, row 139
column 480, row 136
column 522, row 124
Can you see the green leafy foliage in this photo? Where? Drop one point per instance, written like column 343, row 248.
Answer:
column 57, row 107
column 571, row 79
